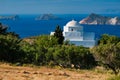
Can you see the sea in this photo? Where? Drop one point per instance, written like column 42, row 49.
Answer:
column 27, row 26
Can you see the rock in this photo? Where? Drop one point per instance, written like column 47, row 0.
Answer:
column 63, row 73
column 35, row 73
column 7, row 71
column 72, row 65
column 26, row 72
column 18, row 64
column 95, row 19
column 49, row 73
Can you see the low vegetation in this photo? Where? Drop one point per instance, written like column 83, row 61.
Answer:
column 46, row 50
column 114, row 78
column 107, row 52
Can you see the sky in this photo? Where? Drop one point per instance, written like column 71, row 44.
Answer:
column 59, row 6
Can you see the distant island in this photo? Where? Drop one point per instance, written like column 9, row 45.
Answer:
column 13, row 17
column 47, row 17
column 95, row 19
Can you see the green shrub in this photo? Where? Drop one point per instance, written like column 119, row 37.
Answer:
column 108, row 52
column 114, row 78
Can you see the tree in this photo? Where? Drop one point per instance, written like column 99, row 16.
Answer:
column 60, row 56
column 10, row 48
column 108, row 52
column 28, row 51
column 58, row 34
column 81, row 57
column 106, row 39
column 9, row 45
column 3, row 29
column 42, row 44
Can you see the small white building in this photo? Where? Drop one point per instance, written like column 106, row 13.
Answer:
column 74, row 32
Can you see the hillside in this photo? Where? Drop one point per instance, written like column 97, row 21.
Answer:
column 95, row 19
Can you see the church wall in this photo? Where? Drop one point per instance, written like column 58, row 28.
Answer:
column 73, row 35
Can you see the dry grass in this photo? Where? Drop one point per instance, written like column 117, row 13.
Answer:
column 8, row 72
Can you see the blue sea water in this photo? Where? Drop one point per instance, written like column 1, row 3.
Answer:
column 27, row 26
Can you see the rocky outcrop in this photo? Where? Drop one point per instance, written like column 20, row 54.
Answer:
column 14, row 17
column 95, row 19
column 47, row 17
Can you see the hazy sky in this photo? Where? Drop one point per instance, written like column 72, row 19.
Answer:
column 59, row 6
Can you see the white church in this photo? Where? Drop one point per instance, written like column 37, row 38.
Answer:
column 74, row 32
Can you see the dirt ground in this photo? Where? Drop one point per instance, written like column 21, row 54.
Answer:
column 8, row 72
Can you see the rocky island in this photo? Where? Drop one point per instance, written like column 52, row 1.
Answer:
column 95, row 19
column 13, row 17
column 47, row 17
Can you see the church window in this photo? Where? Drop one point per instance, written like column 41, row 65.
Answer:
column 71, row 29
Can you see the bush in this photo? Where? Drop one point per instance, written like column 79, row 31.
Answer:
column 114, row 78
column 28, row 51
column 108, row 52
column 43, row 50
column 10, row 49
